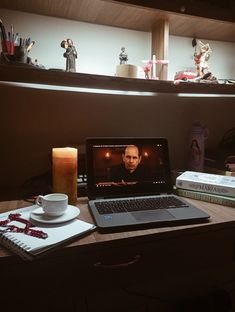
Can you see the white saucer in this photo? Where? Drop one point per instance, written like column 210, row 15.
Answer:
column 39, row 215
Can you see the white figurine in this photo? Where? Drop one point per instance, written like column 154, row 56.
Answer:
column 201, row 58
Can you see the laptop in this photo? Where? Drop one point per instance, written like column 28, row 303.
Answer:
column 129, row 185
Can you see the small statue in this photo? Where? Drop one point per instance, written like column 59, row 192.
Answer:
column 147, row 69
column 70, row 54
column 123, row 57
column 202, row 57
column 150, row 67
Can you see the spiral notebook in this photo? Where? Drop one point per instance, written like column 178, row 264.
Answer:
column 29, row 247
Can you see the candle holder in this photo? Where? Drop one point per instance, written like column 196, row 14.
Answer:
column 64, row 171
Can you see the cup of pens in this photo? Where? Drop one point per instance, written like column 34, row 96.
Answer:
column 14, row 48
column 21, row 51
column 20, row 54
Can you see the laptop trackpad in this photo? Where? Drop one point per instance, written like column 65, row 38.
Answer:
column 152, row 215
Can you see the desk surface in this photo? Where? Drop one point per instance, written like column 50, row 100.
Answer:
column 221, row 217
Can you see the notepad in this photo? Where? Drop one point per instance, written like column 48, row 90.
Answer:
column 29, row 247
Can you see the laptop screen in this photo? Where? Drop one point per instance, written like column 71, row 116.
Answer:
column 127, row 167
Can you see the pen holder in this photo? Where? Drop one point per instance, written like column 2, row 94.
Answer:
column 21, row 54
column 10, row 46
column 6, row 58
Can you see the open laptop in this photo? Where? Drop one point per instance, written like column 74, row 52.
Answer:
column 124, row 198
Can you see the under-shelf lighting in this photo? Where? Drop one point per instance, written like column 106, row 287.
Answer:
column 205, row 95
column 79, row 89
column 108, row 91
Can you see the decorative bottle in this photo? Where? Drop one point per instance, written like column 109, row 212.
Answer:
column 196, row 150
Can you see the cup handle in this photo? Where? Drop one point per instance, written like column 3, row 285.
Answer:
column 38, row 200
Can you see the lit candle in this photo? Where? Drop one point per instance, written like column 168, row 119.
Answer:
column 64, row 169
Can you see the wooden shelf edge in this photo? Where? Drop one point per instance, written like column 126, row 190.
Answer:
column 29, row 74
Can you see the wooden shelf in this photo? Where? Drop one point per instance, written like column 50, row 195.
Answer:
column 216, row 9
column 30, row 74
column 198, row 19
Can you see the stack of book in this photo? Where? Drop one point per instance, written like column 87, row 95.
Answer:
column 214, row 188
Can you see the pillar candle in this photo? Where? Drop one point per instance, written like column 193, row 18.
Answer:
column 64, row 170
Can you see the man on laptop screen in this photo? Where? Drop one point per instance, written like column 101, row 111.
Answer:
column 131, row 168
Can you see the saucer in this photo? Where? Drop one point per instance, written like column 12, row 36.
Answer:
column 39, row 215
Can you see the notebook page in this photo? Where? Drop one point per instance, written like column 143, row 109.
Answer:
column 56, row 233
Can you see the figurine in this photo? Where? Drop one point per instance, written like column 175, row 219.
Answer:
column 147, row 69
column 201, row 58
column 70, row 54
column 150, row 66
column 123, row 57
column 201, row 74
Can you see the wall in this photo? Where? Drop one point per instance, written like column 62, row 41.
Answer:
column 32, row 121
column 99, row 46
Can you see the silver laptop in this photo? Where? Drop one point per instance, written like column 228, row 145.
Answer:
column 129, row 185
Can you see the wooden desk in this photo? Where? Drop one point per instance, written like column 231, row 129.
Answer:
column 171, row 262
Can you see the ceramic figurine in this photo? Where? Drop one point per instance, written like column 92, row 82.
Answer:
column 201, row 57
column 70, row 54
column 123, row 57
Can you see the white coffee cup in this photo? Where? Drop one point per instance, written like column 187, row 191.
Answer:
column 53, row 204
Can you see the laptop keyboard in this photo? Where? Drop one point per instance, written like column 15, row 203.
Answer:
column 139, row 204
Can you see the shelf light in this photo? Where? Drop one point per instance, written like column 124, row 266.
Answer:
column 109, row 91
column 79, row 89
column 205, row 95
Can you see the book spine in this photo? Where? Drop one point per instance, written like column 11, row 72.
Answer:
column 205, row 187
column 15, row 246
column 215, row 199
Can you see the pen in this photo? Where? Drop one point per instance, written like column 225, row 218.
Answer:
column 4, row 37
column 28, row 41
column 30, row 46
column 3, row 31
column 16, row 38
column 12, row 32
